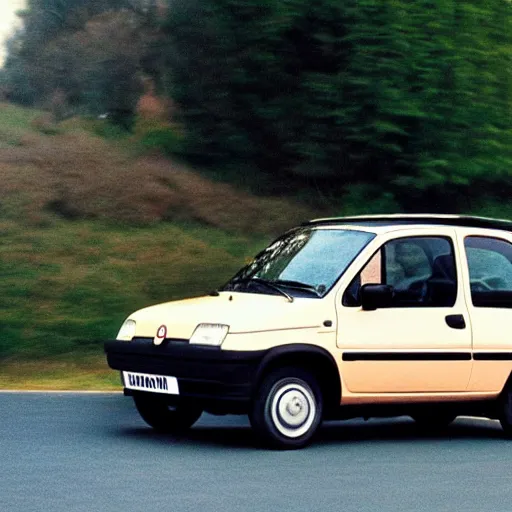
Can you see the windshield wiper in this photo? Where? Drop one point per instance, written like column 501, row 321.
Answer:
column 297, row 284
column 268, row 284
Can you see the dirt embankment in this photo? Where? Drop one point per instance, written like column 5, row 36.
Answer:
column 78, row 175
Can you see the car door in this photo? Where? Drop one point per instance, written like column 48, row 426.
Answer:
column 488, row 259
column 421, row 343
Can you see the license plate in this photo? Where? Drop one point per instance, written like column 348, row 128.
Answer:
column 153, row 383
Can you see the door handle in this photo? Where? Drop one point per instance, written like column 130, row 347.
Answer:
column 455, row 321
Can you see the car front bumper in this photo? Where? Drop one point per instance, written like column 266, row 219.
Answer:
column 205, row 374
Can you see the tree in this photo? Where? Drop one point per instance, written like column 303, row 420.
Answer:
column 91, row 51
column 411, row 96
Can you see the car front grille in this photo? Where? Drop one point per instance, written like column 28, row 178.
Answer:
column 166, row 341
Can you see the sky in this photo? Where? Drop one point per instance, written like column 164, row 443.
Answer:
column 8, row 22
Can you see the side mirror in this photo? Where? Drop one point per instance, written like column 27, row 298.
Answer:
column 376, row 296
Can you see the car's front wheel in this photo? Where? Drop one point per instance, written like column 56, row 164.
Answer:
column 156, row 412
column 288, row 408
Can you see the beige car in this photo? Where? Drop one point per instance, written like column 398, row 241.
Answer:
column 338, row 318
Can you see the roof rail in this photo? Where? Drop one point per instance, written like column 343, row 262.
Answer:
column 438, row 219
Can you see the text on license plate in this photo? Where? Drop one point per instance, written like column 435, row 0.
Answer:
column 153, row 383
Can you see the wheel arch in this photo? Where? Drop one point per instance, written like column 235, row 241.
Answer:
column 312, row 358
column 507, row 385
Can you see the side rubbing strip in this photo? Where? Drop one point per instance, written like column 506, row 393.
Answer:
column 492, row 356
column 406, row 356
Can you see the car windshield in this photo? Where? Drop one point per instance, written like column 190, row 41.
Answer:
column 304, row 262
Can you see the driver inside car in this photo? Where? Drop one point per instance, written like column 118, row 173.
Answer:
column 413, row 262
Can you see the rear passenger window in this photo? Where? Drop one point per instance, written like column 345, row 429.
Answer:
column 490, row 271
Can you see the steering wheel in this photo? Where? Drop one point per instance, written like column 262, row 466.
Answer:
column 419, row 290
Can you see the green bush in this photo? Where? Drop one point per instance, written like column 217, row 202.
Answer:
column 107, row 130
column 166, row 140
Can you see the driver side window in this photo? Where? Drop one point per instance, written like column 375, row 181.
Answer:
column 420, row 270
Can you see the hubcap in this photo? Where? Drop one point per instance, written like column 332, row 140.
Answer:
column 293, row 409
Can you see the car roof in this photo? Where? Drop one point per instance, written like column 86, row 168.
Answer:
column 400, row 220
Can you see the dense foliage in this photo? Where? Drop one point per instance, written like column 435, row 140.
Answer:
column 410, row 98
column 413, row 97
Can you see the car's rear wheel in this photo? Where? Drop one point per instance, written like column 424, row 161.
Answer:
column 506, row 410
column 157, row 413
column 288, row 408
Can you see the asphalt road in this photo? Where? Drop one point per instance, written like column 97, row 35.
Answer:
column 92, row 453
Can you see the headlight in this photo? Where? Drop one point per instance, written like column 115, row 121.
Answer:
column 127, row 331
column 209, row 334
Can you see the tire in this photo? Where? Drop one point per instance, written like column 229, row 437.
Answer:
column 433, row 420
column 505, row 407
column 287, row 410
column 157, row 413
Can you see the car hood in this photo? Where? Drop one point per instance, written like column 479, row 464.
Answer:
column 243, row 312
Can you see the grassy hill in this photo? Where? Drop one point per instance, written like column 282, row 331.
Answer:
column 93, row 229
